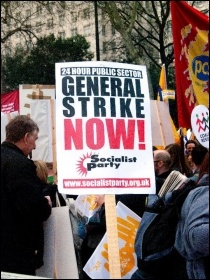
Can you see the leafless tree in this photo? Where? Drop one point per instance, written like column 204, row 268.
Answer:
column 145, row 28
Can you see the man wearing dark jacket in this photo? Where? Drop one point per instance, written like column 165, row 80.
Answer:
column 23, row 205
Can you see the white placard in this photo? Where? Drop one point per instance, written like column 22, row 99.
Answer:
column 200, row 124
column 103, row 128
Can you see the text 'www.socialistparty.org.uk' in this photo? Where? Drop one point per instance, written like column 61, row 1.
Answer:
column 106, row 183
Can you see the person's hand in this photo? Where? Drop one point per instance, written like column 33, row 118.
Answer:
column 49, row 200
column 100, row 199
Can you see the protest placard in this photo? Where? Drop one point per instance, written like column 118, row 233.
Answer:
column 97, row 266
column 200, row 124
column 103, row 128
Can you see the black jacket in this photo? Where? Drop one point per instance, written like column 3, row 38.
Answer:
column 51, row 190
column 23, row 210
column 160, row 179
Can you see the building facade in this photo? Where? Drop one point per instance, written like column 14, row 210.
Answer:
column 27, row 20
column 66, row 20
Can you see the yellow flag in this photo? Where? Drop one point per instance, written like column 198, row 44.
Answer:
column 162, row 80
column 162, row 89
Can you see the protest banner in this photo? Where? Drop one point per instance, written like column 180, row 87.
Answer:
column 87, row 205
column 43, row 113
column 31, row 92
column 97, row 266
column 190, row 29
column 59, row 252
column 103, row 128
column 10, row 101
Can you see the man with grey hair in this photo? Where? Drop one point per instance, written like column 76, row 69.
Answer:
column 23, row 205
column 162, row 160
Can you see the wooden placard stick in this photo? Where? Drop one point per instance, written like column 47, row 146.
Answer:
column 161, row 125
column 37, row 93
column 26, row 86
column 52, row 110
column 9, row 117
column 112, row 237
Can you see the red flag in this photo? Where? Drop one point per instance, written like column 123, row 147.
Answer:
column 10, row 101
column 191, row 50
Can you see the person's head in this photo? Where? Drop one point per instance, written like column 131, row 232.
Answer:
column 23, row 132
column 190, row 162
column 198, row 155
column 178, row 161
column 41, row 170
column 190, row 145
column 162, row 161
column 175, row 151
column 52, row 174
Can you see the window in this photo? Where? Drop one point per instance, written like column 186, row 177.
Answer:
column 50, row 23
column 113, row 31
column 104, row 47
column 61, row 35
column 74, row 17
column 63, row 4
column 61, row 11
column 39, row 10
column 28, row 26
column 38, row 27
column 28, row 13
column 8, row 51
column 18, row 15
column 170, row 49
column 113, row 46
column 29, row 45
column 61, row 20
column 17, row 34
column 103, row 15
column 18, row 46
column 8, row 21
column 74, row 32
column 104, row 30
column 147, row 5
column 86, row 13
column 49, row 7
column 16, row 4
column 169, row 26
column 87, row 30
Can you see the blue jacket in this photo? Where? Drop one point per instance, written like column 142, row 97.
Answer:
column 192, row 236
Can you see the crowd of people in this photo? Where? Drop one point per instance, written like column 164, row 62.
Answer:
column 27, row 198
column 173, row 157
